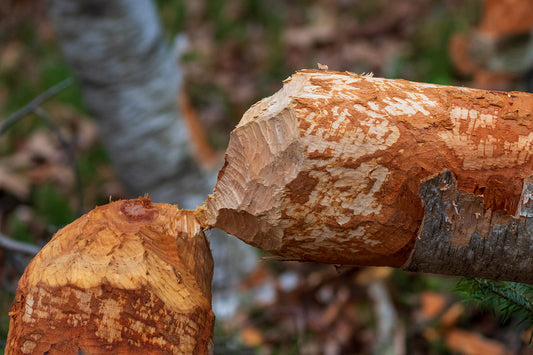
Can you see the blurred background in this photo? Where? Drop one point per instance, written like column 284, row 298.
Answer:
column 60, row 148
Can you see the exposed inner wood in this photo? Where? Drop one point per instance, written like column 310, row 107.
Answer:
column 329, row 168
column 129, row 277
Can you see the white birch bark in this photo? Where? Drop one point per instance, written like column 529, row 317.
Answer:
column 129, row 80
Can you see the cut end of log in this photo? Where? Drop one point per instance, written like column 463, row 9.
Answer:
column 128, row 275
column 329, row 168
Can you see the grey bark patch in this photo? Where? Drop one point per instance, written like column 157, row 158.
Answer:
column 129, row 82
column 499, row 246
column 526, row 205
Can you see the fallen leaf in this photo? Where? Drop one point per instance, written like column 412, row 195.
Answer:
column 251, row 336
column 468, row 343
column 432, row 304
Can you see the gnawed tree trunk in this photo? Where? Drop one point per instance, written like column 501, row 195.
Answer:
column 347, row 169
column 131, row 277
column 335, row 168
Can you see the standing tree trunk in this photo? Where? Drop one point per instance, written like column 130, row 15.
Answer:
column 347, row 169
column 129, row 80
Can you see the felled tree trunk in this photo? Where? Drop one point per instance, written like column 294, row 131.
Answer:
column 131, row 277
column 347, row 169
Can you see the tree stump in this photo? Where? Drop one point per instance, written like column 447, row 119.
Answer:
column 130, row 277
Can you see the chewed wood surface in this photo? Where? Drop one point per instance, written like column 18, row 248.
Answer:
column 130, row 277
column 329, row 168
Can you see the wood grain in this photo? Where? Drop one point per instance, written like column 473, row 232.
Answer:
column 330, row 168
column 131, row 277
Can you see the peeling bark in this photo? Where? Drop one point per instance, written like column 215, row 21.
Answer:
column 131, row 277
column 348, row 169
column 459, row 237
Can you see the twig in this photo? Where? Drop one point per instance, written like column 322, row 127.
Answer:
column 13, row 245
column 34, row 104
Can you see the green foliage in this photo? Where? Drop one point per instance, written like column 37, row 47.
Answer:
column 51, row 205
column 18, row 230
column 429, row 59
column 173, row 15
column 408, row 284
column 89, row 162
column 6, row 299
column 506, row 299
column 56, row 70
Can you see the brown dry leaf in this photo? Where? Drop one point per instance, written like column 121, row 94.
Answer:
column 303, row 37
column 451, row 316
column 62, row 174
column 10, row 55
column 331, row 313
column 251, row 336
column 40, row 159
column 506, row 17
column 255, row 278
column 372, row 273
column 432, row 304
column 371, row 54
column 43, row 146
column 485, row 79
column 459, row 49
column 87, row 134
column 75, row 127
column 431, row 334
column 16, row 184
column 468, row 343
column 3, row 95
column 526, row 335
column 322, row 29
column 203, row 152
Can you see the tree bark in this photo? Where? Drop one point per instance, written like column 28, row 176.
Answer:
column 347, row 169
column 131, row 277
column 129, row 80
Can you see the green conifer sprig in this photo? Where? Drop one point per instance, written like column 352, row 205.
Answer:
column 505, row 299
